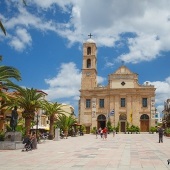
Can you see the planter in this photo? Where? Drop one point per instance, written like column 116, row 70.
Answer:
column 168, row 135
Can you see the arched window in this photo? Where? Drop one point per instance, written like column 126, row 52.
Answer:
column 89, row 51
column 122, row 116
column 88, row 63
column 101, row 118
column 144, row 117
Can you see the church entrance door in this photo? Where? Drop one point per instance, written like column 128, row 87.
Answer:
column 144, row 123
column 122, row 126
column 122, row 119
column 101, row 121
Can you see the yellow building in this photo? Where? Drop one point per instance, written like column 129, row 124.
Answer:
column 122, row 100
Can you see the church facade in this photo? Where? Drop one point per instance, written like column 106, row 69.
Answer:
column 122, row 101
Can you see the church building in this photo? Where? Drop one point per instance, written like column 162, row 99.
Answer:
column 123, row 101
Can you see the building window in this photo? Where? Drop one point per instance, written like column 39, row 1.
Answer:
column 101, row 103
column 89, row 51
column 88, row 63
column 123, row 102
column 88, row 103
column 144, row 102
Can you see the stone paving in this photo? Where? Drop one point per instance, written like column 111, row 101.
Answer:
column 122, row 152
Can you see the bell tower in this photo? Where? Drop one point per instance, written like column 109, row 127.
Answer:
column 89, row 71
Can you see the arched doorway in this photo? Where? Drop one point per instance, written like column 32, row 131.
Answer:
column 101, row 121
column 122, row 119
column 144, row 123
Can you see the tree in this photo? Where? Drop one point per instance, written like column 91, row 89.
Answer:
column 52, row 110
column 65, row 122
column 6, row 74
column 29, row 100
column 1, row 25
column 2, row 28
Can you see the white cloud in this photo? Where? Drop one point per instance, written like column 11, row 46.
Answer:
column 21, row 40
column 100, row 79
column 108, row 21
column 66, row 83
column 162, row 92
column 140, row 49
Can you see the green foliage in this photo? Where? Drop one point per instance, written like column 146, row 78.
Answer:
column 167, row 130
column 127, row 126
column 8, row 128
column 2, row 136
column 133, row 128
column 117, row 127
column 64, row 122
column 2, row 28
column 137, row 129
column 93, row 131
column 153, row 129
column 83, row 128
column 109, row 126
column 21, row 129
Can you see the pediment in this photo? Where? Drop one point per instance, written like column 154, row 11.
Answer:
column 123, row 70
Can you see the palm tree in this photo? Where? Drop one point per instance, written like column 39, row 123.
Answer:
column 7, row 72
column 52, row 110
column 1, row 25
column 29, row 100
column 65, row 123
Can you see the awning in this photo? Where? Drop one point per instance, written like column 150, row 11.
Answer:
column 41, row 127
column 87, row 124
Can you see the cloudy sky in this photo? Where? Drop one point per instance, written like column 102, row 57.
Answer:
column 44, row 41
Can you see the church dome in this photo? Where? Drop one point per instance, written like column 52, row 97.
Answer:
column 90, row 41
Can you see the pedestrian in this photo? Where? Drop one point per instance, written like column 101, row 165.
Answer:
column 34, row 140
column 113, row 132
column 105, row 133
column 96, row 133
column 160, row 132
column 101, row 133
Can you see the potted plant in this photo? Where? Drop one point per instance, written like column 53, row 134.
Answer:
column 167, row 132
column 132, row 129
column 2, row 136
column 137, row 130
column 117, row 128
column 127, row 127
column 153, row 129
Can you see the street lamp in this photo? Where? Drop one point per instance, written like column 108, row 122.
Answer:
column 36, row 113
column 156, row 121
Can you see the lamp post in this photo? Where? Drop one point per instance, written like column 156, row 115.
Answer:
column 36, row 123
column 156, row 121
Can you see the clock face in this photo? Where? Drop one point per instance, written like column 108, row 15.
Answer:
column 88, row 73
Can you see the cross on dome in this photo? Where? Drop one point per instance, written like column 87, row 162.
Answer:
column 90, row 35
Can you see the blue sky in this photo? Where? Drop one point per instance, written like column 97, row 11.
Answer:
column 44, row 42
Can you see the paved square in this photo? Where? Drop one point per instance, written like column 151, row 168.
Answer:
column 122, row 152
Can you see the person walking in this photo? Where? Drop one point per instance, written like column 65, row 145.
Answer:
column 34, row 140
column 96, row 133
column 105, row 133
column 160, row 132
column 114, row 132
column 101, row 133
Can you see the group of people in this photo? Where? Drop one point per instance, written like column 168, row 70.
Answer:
column 102, row 132
column 31, row 139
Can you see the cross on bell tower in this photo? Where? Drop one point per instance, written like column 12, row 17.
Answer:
column 90, row 35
